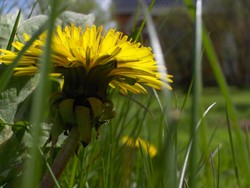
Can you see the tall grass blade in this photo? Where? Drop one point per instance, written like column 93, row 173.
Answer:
column 187, row 95
column 32, row 9
column 190, row 145
column 196, row 91
column 214, row 62
column 73, row 173
column 168, row 171
column 147, row 13
column 215, row 65
column 236, row 170
column 49, row 169
column 162, row 128
column 211, row 160
column 39, row 106
column 13, row 32
column 155, row 43
column 218, row 171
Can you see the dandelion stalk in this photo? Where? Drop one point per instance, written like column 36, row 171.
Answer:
column 62, row 159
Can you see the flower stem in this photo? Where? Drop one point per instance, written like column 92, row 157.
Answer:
column 62, row 158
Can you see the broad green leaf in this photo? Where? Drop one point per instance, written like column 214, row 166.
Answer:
column 8, row 105
column 28, row 88
column 5, row 134
column 11, row 151
column 18, row 90
column 31, row 25
column 78, row 19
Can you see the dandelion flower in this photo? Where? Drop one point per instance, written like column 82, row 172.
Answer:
column 91, row 60
column 140, row 143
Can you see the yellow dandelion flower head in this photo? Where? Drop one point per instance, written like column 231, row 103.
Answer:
column 140, row 143
column 92, row 59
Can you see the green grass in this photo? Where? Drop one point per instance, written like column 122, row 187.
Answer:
column 120, row 162
column 212, row 94
column 216, row 133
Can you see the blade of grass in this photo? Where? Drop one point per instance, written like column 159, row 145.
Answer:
column 167, row 174
column 208, row 145
column 214, row 62
column 39, row 106
column 13, row 32
column 215, row 65
column 196, row 92
column 211, row 160
column 247, row 139
column 218, row 173
column 190, row 145
column 49, row 169
column 145, row 17
column 155, row 43
column 182, row 109
column 73, row 173
column 92, row 157
column 32, row 9
column 136, row 19
column 236, row 170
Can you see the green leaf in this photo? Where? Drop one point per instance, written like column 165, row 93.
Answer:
column 31, row 25
column 8, row 105
column 78, row 19
column 18, row 90
column 5, row 134
column 11, row 150
column 28, row 88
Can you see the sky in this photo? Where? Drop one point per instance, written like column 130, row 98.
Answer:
column 11, row 5
column 104, row 3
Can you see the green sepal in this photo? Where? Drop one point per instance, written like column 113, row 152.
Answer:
column 66, row 109
column 56, row 98
column 83, row 120
column 96, row 106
